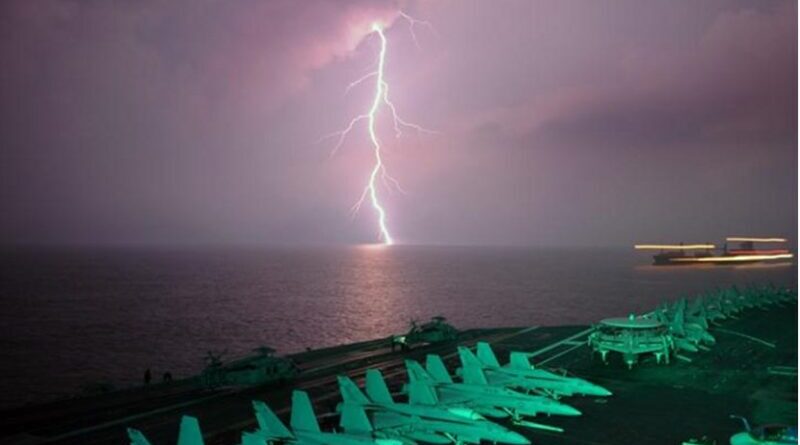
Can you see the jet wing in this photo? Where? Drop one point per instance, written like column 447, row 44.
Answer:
column 510, row 381
column 386, row 420
column 406, row 426
column 456, row 398
column 448, row 396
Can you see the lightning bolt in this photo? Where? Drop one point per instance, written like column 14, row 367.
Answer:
column 378, row 171
column 381, row 93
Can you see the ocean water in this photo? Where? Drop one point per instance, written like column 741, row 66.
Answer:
column 71, row 317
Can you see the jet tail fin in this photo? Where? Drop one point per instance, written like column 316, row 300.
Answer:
column 252, row 439
column 189, row 433
column 471, row 367
column 376, row 387
column 436, row 369
column 679, row 318
column 351, row 393
column 421, row 394
column 468, row 358
column 486, row 355
column 303, row 417
column 473, row 375
column 416, row 373
column 519, row 360
column 136, row 437
column 354, row 420
column 268, row 422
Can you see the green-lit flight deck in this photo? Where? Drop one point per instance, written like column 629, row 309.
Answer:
column 742, row 373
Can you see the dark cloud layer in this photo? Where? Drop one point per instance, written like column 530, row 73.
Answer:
column 560, row 121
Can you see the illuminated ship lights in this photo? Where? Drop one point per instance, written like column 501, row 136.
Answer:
column 745, row 252
column 673, row 246
column 743, row 239
column 733, row 258
column 757, row 252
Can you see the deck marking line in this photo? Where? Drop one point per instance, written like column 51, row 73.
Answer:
column 574, row 347
column 560, row 342
column 749, row 337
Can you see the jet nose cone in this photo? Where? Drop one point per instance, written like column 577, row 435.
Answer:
column 566, row 410
column 596, row 390
column 602, row 392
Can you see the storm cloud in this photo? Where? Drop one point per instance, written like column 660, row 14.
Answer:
column 558, row 122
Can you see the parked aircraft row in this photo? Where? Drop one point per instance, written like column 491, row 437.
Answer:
column 688, row 322
column 439, row 409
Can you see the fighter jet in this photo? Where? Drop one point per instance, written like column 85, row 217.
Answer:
column 189, row 434
column 433, row 424
column 519, row 373
column 689, row 332
column 480, row 395
column 492, row 401
column 305, row 429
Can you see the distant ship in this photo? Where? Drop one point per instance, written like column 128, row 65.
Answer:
column 735, row 250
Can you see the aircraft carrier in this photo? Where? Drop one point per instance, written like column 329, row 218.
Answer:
column 751, row 371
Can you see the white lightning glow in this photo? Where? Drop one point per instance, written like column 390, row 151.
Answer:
column 381, row 92
column 380, row 98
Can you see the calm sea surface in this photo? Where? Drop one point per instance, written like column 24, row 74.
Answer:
column 71, row 317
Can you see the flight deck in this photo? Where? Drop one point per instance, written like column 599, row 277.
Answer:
column 750, row 371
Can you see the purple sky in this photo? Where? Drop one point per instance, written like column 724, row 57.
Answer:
column 560, row 122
